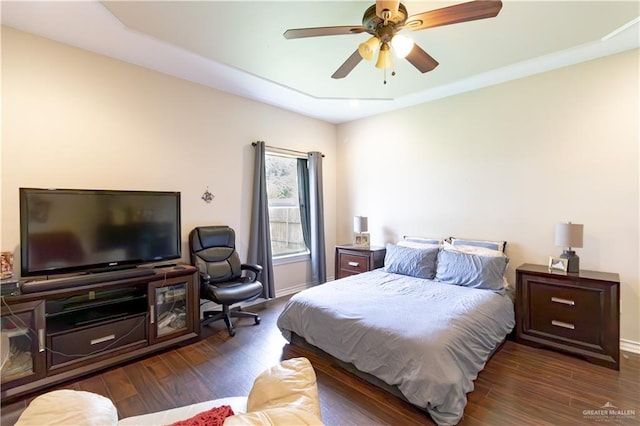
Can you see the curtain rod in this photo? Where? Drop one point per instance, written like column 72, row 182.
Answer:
column 285, row 150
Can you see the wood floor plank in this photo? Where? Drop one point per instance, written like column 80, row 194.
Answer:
column 95, row 384
column 195, row 389
column 152, row 393
column 118, row 384
column 520, row 385
column 131, row 406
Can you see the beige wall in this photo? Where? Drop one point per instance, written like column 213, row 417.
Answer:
column 509, row 162
column 74, row 119
column 505, row 162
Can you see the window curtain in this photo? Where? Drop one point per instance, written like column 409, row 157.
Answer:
column 316, row 220
column 303, row 200
column 260, row 233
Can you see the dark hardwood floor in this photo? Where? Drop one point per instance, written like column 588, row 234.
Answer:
column 519, row 386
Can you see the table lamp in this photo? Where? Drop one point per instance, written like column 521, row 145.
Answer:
column 569, row 235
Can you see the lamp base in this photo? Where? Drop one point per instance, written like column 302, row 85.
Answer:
column 573, row 261
column 361, row 239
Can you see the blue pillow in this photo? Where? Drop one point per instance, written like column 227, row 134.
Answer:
column 419, row 263
column 470, row 270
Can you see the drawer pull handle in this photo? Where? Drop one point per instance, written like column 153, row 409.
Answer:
column 41, row 340
column 355, row 264
column 103, row 339
column 563, row 301
column 563, row 324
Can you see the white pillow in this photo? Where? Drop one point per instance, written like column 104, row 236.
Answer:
column 420, row 242
column 495, row 245
column 479, row 251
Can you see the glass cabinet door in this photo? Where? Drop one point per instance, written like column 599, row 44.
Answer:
column 22, row 343
column 171, row 313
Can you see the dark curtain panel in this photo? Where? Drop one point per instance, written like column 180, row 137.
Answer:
column 303, row 199
column 260, row 234
column 316, row 210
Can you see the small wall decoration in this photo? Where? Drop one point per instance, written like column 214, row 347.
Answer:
column 7, row 264
column 208, row 196
column 558, row 264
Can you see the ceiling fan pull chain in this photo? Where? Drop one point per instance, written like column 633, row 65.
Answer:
column 385, row 76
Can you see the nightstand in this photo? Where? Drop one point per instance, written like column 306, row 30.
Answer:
column 577, row 313
column 351, row 260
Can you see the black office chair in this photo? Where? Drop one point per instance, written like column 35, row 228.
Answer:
column 213, row 252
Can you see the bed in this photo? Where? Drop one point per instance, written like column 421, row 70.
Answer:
column 425, row 324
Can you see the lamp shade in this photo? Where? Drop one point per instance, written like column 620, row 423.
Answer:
column 360, row 224
column 384, row 57
column 402, row 45
column 368, row 49
column 569, row 234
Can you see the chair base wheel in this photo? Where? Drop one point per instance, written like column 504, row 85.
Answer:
column 232, row 332
column 257, row 320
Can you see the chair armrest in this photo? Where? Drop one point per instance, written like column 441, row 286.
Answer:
column 204, row 277
column 252, row 267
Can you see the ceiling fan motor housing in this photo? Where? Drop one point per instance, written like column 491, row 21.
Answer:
column 375, row 24
column 387, row 7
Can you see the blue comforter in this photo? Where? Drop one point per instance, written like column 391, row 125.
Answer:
column 427, row 338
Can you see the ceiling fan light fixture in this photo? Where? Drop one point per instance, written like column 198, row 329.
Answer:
column 402, row 45
column 368, row 49
column 384, row 57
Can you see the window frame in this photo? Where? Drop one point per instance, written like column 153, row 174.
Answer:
column 287, row 258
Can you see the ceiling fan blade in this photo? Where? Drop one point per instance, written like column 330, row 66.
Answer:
column 348, row 66
column 322, row 31
column 470, row 11
column 421, row 59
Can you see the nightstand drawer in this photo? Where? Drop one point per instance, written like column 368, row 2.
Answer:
column 354, row 263
column 352, row 260
column 569, row 312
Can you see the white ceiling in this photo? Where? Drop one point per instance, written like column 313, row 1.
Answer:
column 238, row 46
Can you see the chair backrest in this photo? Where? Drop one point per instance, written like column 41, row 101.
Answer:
column 213, row 251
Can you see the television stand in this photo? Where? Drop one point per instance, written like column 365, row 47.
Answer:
column 81, row 280
column 61, row 333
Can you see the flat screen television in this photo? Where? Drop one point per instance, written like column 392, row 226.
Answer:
column 73, row 230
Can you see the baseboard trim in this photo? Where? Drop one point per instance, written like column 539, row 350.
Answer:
column 630, row 346
column 296, row 288
column 292, row 290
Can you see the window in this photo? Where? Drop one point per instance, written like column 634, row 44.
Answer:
column 284, row 205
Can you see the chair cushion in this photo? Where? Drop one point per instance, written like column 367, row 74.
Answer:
column 213, row 236
column 233, row 292
column 291, row 383
column 69, row 407
column 285, row 394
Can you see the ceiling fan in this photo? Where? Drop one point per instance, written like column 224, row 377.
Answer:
column 385, row 19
